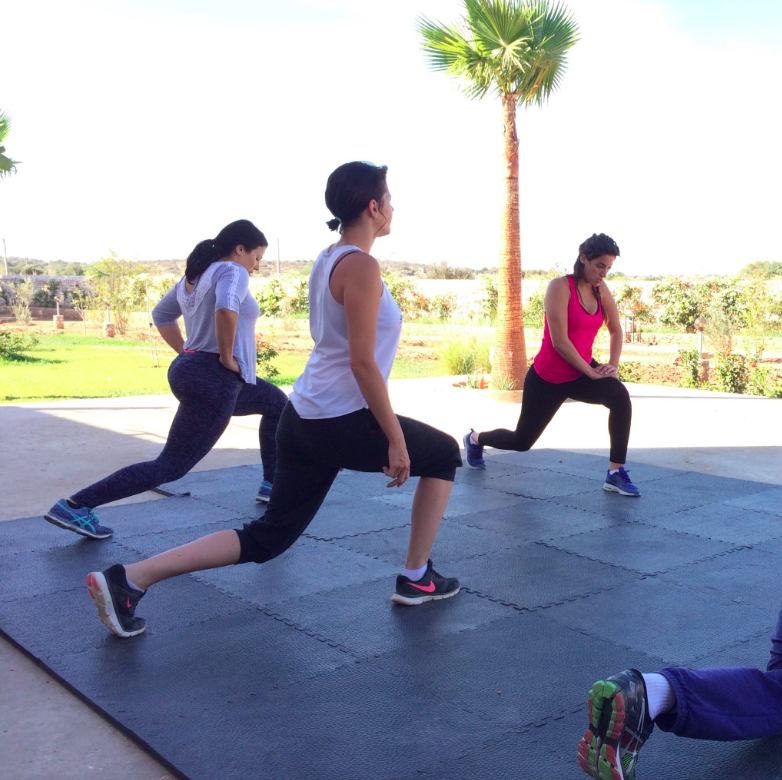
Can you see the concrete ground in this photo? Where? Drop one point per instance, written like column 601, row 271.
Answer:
column 51, row 449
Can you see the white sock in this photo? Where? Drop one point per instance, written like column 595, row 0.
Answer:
column 660, row 696
column 415, row 574
column 613, row 471
column 132, row 585
column 474, row 438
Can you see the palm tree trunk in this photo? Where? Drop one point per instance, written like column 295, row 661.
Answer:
column 509, row 360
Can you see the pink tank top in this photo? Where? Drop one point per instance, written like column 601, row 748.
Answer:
column 582, row 329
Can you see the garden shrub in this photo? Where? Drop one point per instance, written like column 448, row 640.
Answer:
column 13, row 345
column 465, row 356
column 691, row 368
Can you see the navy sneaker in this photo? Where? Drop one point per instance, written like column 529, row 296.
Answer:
column 116, row 601
column 264, row 492
column 81, row 521
column 620, row 483
column 431, row 587
column 474, row 452
column 619, row 725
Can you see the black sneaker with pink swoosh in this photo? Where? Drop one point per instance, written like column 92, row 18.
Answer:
column 116, row 601
column 431, row 587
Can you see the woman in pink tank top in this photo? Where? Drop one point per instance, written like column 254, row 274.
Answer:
column 576, row 307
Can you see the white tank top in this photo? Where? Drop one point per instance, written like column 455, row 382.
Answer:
column 328, row 388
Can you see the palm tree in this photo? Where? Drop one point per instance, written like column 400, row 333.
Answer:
column 7, row 165
column 516, row 49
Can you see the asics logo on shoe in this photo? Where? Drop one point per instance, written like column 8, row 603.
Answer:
column 425, row 588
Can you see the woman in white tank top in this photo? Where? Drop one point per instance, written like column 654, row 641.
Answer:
column 339, row 416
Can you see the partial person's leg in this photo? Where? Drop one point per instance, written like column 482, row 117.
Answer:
column 300, row 488
column 207, row 394
column 268, row 400
column 539, row 403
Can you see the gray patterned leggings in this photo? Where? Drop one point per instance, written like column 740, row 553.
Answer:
column 209, row 395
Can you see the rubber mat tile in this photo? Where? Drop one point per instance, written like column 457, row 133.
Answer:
column 360, row 516
column 533, row 575
column 465, row 499
column 530, row 519
column 197, row 669
column 166, row 514
column 748, row 576
column 773, row 547
column 577, row 464
column 367, row 623
column 660, row 498
column 664, row 619
column 769, row 501
column 669, row 756
column 57, row 569
column 454, row 542
column 549, row 750
column 545, row 484
column 308, row 567
column 203, row 483
column 68, row 623
column 33, row 534
column 545, row 750
column 355, row 723
column 507, row 670
column 725, row 522
column 754, row 652
column 640, row 548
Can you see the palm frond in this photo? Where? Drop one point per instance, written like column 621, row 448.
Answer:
column 516, row 47
column 7, row 165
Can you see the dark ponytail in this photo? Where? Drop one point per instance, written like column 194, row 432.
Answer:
column 349, row 190
column 596, row 245
column 239, row 233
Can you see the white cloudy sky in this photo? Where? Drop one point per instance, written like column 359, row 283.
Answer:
column 145, row 127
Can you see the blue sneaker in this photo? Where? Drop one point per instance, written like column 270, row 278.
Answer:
column 82, row 521
column 474, row 452
column 264, row 493
column 620, row 483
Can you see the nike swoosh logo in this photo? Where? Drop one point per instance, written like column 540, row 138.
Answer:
column 129, row 605
column 425, row 588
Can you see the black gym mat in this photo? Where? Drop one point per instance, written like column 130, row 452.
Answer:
column 302, row 668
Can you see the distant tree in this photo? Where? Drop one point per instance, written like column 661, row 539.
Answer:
column 7, row 165
column 517, row 50
column 445, row 271
column 114, row 280
column 762, row 269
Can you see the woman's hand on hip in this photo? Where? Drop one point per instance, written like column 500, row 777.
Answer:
column 231, row 364
column 605, row 371
column 398, row 465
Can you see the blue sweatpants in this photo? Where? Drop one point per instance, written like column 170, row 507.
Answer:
column 209, row 395
column 727, row 703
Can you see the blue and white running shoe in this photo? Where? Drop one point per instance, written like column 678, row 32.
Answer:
column 620, row 483
column 264, row 493
column 474, row 452
column 82, row 521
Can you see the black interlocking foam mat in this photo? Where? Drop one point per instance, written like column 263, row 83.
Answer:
column 302, row 667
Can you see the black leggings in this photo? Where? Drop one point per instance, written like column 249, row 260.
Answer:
column 542, row 399
column 209, row 395
column 310, row 454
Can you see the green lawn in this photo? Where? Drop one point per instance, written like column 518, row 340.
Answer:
column 70, row 366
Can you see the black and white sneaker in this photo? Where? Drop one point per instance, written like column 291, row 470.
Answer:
column 116, row 601
column 431, row 587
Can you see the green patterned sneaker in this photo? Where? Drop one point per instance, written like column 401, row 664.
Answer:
column 619, row 724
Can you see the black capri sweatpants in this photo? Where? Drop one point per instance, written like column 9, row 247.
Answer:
column 541, row 401
column 310, row 454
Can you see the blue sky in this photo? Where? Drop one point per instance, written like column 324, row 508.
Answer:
column 144, row 129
